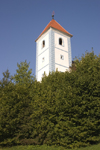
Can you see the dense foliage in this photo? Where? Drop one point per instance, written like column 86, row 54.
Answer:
column 45, row 147
column 63, row 109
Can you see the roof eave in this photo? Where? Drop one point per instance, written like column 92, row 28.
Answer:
column 42, row 34
column 55, row 29
column 63, row 32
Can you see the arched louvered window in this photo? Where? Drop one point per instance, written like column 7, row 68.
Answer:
column 60, row 41
column 43, row 43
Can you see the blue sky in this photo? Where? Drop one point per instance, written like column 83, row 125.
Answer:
column 22, row 21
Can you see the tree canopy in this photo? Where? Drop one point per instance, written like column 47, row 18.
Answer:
column 63, row 109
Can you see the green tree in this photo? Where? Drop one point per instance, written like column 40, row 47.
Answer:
column 6, row 78
column 67, row 105
column 23, row 74
column 15, row 105
column 63, row 109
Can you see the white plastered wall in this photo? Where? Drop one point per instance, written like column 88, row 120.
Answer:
column 60, row 64
column 45, row 37
column 65, row 41
column 60, row 68
column 41, row 72
column 43, row 59
column 43, row 52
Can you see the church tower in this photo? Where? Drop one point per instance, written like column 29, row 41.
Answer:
column 53, row 50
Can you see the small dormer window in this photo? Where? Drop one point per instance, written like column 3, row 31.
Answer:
column 60, row 41
column 43, row 43
column 62, row 57
column 43, row 59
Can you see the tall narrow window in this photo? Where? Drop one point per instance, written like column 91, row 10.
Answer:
column 60, row 41
column 43, row 43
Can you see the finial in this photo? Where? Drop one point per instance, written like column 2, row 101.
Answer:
column 53, row 13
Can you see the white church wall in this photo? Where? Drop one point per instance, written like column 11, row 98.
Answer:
column 60, row 68
column 41, row 72
column 61, row 57
column 43, row 59
column 42, row 55
column 45, row 38
column 69, row 51
column 51, row 51
column 64, row 45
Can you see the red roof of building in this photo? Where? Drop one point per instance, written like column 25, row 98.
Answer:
column 54, row 24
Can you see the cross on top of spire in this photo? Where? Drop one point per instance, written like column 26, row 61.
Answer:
column 53, row 13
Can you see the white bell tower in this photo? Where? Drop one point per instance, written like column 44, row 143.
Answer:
column 53, row 50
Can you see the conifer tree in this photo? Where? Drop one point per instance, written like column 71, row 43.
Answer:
column 23, row 74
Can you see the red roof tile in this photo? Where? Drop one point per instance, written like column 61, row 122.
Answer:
column 54, row 24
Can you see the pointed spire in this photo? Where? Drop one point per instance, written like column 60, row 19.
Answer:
column 55, row 25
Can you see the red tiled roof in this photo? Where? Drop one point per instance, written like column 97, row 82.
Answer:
column 54, row 24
